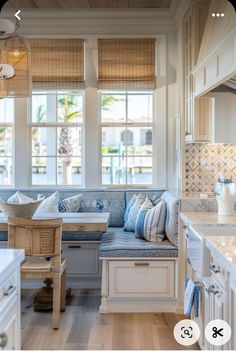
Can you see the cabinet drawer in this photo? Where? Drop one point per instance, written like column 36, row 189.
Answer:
column 141, row 279
column 82, row 258
column 8, row 289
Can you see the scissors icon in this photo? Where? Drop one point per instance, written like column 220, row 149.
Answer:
column 217, row 332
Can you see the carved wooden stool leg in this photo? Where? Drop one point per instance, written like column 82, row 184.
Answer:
column 63, row 291
column 56, row 300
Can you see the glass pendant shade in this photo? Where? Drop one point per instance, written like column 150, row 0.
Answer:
column 15, row 51
column 7, row 28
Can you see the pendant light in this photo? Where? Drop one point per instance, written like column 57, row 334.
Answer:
column 15, row 62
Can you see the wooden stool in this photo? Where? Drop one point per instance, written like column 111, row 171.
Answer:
column 41, row 239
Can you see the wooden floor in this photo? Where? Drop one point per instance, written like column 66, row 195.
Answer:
column 83, row 328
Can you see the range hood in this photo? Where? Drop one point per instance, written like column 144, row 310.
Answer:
column 228, row 86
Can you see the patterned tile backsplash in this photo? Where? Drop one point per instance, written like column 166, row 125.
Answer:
column 205, row 163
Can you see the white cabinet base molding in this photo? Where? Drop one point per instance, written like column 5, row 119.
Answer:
column 138, row 285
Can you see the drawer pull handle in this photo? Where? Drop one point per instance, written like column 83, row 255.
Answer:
column 3, row 340
column 74, row 247
column 213, row 268
column 10, row 290
column 141, row 264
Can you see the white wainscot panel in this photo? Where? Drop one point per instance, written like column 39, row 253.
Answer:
column 211, row 71
column 226, row 57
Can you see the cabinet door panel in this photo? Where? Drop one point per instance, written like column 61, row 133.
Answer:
column 10, row 326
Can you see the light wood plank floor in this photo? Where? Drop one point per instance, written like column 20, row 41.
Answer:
column 83, row 328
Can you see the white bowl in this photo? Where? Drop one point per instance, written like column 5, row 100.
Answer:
column 20, row 210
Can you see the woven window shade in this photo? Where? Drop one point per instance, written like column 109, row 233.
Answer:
column 16, row 52
column 57, row 63
column 126, row 63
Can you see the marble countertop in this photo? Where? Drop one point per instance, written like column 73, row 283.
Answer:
column 9, row 260
column 207, row 218
column 224, row 248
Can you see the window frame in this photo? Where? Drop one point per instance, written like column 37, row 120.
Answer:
column 55, row 125
column 91, row 133
column 151, row 124
column 12, row 126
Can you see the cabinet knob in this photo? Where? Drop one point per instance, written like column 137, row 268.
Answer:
column 3, row 340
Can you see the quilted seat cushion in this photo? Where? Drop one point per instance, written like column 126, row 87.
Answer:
column 118, row 243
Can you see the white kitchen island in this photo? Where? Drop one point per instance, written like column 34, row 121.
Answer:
column 10, row 330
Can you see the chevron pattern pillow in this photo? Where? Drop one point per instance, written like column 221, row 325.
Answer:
column 70, row 204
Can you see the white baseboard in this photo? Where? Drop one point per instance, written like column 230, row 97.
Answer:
column 138, row 306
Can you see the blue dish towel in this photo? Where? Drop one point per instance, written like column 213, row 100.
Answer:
column 188, row 296
column 196, row 299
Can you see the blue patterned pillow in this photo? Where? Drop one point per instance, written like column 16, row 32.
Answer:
column 132, row 215
column 129, row 205
column 70, row 205
column 150, row 223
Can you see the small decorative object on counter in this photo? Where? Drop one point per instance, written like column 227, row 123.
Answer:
column 226, row 197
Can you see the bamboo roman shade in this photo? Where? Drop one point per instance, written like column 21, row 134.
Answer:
column 57, row 63
column 126, row 63
column 16, row 52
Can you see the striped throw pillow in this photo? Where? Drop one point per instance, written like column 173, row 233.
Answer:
column 150, row 223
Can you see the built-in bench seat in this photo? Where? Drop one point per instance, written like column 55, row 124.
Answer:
column 117, row 243
column 136, row 275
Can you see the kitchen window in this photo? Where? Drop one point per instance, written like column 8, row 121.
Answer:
column 126, row 132
column 56, row 137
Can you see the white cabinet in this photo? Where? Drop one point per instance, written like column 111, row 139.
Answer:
column 141, row 278
column 10, row 332
column 232, row 310
column 193, row 27
column 9, row 327
column 203, row 118
column 83, row 264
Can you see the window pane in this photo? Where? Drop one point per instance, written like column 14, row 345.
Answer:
column 5, row 141
column 113, row 141
column 139, row 170
column 69, row 171
column 69, row 141
column 39, row 108
column 140, row 107
column 5, row 171
column 69, row 108
column 43, row 171
column 138, row 141
column 7, row 110
column 113, row 107
column 113, row 170
column 44, row 141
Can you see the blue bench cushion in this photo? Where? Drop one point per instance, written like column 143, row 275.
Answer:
column 69, row 236
column 111, row 201
column 118, row 243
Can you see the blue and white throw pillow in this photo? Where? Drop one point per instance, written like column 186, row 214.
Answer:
column 150, row 223
column 129, row 205
column 70, row 204
column 133, row 212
